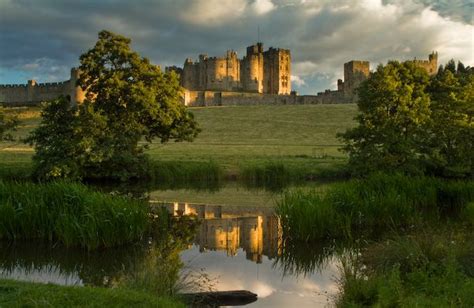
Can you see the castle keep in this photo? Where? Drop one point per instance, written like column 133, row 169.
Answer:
column 266, row 72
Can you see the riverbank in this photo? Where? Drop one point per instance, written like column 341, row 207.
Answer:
column 431, row 268
column 374, row 205
column 71, row 214
column 27, row 294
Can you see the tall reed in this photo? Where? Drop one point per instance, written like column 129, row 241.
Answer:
column 70, row 213
column 375, row 204
column 183, row 172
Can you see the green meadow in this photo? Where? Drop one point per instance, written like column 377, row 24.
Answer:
column 239, row 139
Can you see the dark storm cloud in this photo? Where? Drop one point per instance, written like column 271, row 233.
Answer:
column 44, row 38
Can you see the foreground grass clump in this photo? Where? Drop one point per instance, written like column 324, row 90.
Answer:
column 26, row 294
column 423, row 270
column 69, row 213
column 375, row 204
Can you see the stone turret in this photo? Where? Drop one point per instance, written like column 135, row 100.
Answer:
column 277, row 71
column 355, row 72
column 76, row 93
column 252, row 69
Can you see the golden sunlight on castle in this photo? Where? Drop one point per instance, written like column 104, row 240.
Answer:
column 256, row 231
column 259, row 78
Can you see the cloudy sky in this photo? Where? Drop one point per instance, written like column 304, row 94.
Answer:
column 42, row 39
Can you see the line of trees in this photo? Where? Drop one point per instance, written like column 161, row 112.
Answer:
column 411, row 123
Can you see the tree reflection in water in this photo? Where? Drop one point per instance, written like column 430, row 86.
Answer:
column 153, row 264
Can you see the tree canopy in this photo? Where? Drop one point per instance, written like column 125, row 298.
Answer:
column 129, row 103
column 7, row 124
column 411, row 123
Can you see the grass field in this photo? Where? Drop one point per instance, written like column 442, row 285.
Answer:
column 238, row 137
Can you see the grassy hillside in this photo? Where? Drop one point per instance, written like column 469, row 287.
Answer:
column 301, row 136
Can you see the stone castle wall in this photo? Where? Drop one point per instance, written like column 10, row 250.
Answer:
column 227, row 98
column 34, row 93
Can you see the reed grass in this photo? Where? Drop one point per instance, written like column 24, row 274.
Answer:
column 190, row 171
column 69, row 213
column 433, row 268
column 376, row 204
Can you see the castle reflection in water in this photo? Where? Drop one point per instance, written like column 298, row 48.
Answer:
column 227, row 228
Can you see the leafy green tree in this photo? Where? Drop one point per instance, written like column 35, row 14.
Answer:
column 452, row 127
column 394, row 109
column 55, row 142
column 129, row 103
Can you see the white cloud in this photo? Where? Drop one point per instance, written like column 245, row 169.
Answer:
column 297, row 80
column 213, row 12
column 322, row 34
column 262, row 6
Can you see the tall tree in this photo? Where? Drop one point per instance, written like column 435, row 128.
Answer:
column 394, row 107
column 452, row 129
column 129, row 103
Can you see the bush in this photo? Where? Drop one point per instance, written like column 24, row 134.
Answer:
column 431, row 269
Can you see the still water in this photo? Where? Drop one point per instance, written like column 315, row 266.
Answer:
column 238, row 245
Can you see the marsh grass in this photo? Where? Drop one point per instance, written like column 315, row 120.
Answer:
column 69, row 213
column 374, row 205
column 433, row 268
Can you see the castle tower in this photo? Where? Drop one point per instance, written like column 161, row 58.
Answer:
column 277, row 71
column 252, row 69
column 189, row 77
column 355, row 72
column 31, row 90
column 76, row 93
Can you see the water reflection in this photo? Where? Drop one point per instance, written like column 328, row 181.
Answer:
column 227, row 228
column 243, row 248
column 237, row 247
column 38, row 262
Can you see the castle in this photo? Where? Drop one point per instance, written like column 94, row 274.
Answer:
column 261, row 77
column 259, row 71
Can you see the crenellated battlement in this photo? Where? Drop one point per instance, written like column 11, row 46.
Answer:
column 33, row 92
column 13, row 86
column 52, row 84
